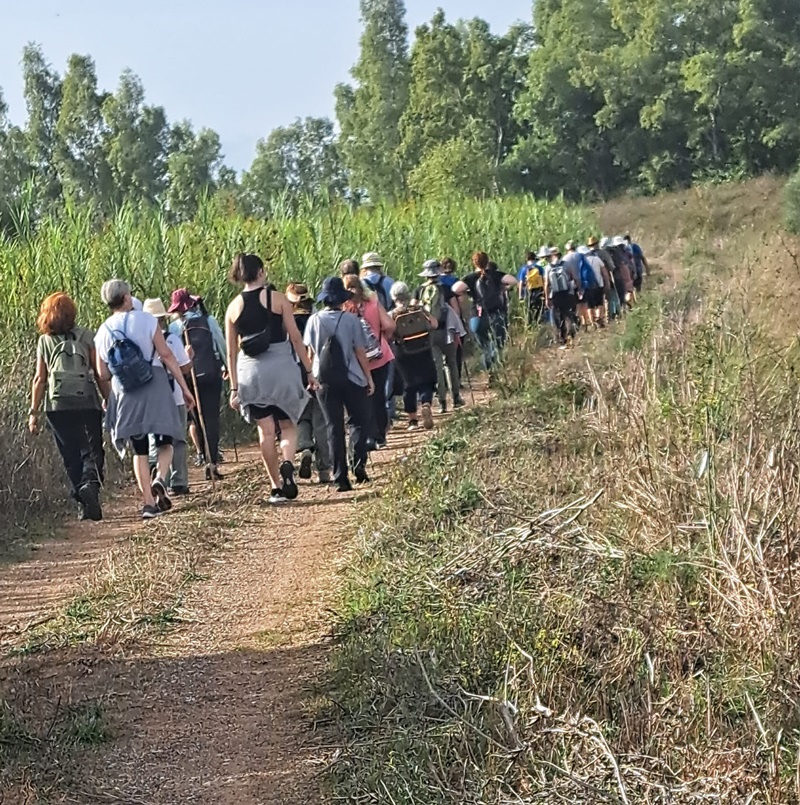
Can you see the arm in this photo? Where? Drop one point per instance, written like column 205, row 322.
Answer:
column 509, row 281
column 232, row 340
column 547, row 289
column 102, row 384
column 37, row 393
column 387, row 323
column 363, row 362
column 168, row 359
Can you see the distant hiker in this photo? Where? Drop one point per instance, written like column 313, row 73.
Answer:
column 640, row 263
column 414, row 352
column 488, row 287
column 176, row 472
column 594, row 281
column 312, row 432
column 531, row 286
column 378, row 328
column 560, row 295
column 65, row 382
column 439, row 302
column 337, row 345
column 372, row 272
column 623, row 271
column 133, row 355
column 448, row 276
column 614, row 306
column 202, row 335
column 266, row 384
column 347, row 267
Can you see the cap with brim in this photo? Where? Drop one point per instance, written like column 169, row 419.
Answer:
column 333, row 292
column 605, row 243
column 181, row 301
column 618, row 241
column 155, row 307
column 371, row 260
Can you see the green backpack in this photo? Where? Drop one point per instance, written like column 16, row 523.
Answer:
column 432, row 299
column 69, row 372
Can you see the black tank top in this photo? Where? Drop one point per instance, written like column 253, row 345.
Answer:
column 255, row 318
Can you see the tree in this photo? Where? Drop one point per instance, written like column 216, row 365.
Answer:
column 193, row 166
column 42, row 88
column 135, row 143
column 80, row 161
column 14, row 167
column 301, row 159
column 369, row 114
column 453, row 168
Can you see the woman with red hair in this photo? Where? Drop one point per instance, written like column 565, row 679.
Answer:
column 65, row 383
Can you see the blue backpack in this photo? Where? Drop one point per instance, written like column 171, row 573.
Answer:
column 126, row 361
column 588, row 278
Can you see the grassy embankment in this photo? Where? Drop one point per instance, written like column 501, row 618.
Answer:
column 587, row 591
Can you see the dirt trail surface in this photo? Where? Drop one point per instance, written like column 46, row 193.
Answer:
column 216, row 710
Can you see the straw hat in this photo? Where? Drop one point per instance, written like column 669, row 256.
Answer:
column 592, row 242
column 155, row 307
column 371, row 260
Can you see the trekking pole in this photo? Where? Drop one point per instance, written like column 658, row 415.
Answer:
column 469, row 380
column 200, row 413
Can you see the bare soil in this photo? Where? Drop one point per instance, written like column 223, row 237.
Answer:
column 219, row 710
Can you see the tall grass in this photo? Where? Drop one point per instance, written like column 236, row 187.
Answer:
column 76, row 253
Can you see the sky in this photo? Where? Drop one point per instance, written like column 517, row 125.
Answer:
column 240, row 67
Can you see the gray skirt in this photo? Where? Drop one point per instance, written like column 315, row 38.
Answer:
column 149, row 409
column 271, row 379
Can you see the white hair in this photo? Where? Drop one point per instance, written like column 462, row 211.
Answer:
column 113, row 293
column 399, row 291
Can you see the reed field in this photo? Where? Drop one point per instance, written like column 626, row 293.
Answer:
column 76, row 253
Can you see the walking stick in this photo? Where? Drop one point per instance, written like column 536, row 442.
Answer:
column 469, row 380
column 200, row 411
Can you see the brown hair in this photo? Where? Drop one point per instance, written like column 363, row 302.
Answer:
column 353, row 284
column 449, row 265
column 480, row 260
column 347, row 267
column 57, row 314
column 245, row 268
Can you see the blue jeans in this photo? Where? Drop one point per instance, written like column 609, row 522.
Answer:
column 492, row 332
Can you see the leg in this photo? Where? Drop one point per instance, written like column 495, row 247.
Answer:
column 321, row 443
column 179, row 478
column 70, row 441
column 438, row 359
column 390, row 404
column 305, row 427
column 93, row 424
column 141, row 469
column 452, row 372
column 333, row 410
column 358, row 408
column 209, row 393
column 288, row 439
column 269, row 451
column 380, row 416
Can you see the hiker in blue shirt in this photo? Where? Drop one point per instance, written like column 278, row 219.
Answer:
column 372, row 274
column 448, row 277
column 639, row 262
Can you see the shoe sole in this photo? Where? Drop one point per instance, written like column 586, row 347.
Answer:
column 290, row 490
column 162, row 498
column 305, row 466
column 90, row 498
column 151, row 515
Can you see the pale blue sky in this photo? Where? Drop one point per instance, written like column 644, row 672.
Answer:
column 241, row 67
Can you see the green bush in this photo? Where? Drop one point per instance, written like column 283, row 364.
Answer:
column 791, row 204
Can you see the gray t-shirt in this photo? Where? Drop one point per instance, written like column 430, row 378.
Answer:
column 349, row 333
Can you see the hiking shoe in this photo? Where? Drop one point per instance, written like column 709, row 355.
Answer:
column 324, row 476
column 427, row 417
column 276, row 497
column 344, row 486
column 199, row 460
column 413, row 425
column 89, row 497
column 372, row 445
column 212, row 473
column 150, row 512
column 382, row 445
column 305, row 465
column 442, row 407
column 459, row 403
column 178, row 491
column 159, row 490
column 360, row 471
column 287, row 476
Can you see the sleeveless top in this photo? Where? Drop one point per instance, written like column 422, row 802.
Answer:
column 256, row 318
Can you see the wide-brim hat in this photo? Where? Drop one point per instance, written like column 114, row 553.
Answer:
column 592, row 242
column 181, row 301
column 155, row 307
column 371, row 260
column 605, row 243
column 554, row 250
column 297, row 292
column 543, row 252
column 432, row 268
column 333, row 292
column 618, row 241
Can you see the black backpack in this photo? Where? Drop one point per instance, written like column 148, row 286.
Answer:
column 490, row 297
column 332, row 363
column 206, row 362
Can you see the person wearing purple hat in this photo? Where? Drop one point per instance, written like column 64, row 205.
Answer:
column 206, row 345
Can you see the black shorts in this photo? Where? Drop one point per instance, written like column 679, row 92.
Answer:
column 594, row 298
column 257, row 412
column 141, row 444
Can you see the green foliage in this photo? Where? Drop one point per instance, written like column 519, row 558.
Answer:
column 452, row 168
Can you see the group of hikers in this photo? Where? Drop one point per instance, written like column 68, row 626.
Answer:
column 153, row 376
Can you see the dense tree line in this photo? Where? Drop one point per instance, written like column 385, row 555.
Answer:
column 591, row 98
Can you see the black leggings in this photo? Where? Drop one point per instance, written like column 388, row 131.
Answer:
column 208, row 393
column 79, row 438
column 380, row 414
column 141, row 444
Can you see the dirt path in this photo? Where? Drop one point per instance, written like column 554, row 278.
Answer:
column 215, row 711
